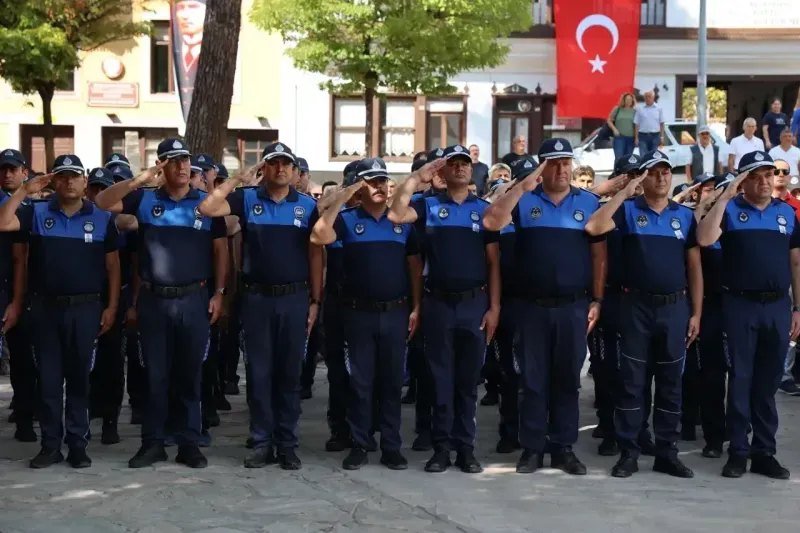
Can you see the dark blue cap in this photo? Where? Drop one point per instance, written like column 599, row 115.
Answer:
column 68, row 163
column 101, row 176
column 435, row 154
column 755, row 160
column 523, row 167
column 371, row 168
column 494, row 184
column 723, row 180
column 418, row 164
column 626, row 163
column 302, row 164
column 275, row 150
column 222, row 171
column 120, row 172
column 703, row 178
column 349, row 173
column 12, row 157
column 196, row 166
column 456, row 150
column 555, row 148
column 204, row 161
column 679, row 189
column 172, row 148
column 117, row 159
column 651, row 159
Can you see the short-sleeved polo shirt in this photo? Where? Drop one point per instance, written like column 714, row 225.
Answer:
column 374, row 255
column 276, row 235
column 67, row 253
column 756, row 244
column 552, row 247
column 7, row 240
column 174, row 241
column 654, row 245
column 454, row 241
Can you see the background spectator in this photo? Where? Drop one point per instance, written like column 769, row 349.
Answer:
column 796, row 118
column 621, row 123
column 788, row 152
column 519, row 149
column 583, row 177
column 744, row 144
column 773, row 123
column 480, row 171
column 705, row 155
column 648, row 125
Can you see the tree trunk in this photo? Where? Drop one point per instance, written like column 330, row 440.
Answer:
column 207, row 124
column 370, row 81
column 46, row 93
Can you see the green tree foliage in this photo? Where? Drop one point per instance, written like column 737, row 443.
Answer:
column 405, row 46
column 41, row 42
column 717, row 104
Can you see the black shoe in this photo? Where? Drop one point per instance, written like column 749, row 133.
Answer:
column 490, row 398
column 410, row 397
column 77, row 458
column 250, row 444
column 355, row 459
column 672, row 466
column 568, row 462
column 529, row 462
column 191, row 456
column 688, row 433
column 305, row 393
column 222, row 403
column 231, row 389
column 767, row 465
column 423, row 442
column 211, row 419
column 136, row 417
column 735, row 467
column 598, row 433
column 110, row 433
column 647, row 447
column 507, row 445
column 288, row 460
column 394, row 460
column 148, row 455
column 608, row 448
column 46, row 458
column 467, row 462
column 625, row 467
column 260, row 458
column 338, row 442
column 712, row 451
column 25, row 433
column 439, row 462
column 372, row 444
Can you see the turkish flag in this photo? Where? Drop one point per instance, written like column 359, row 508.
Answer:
column 596, row 49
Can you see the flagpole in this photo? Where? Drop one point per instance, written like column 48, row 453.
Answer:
column 702, row 65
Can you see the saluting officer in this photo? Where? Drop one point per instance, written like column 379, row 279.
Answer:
column 117, row 159
column 72, row 262
column 761, row 252
column 379, row 258
column 660, row 254
column 178, row 250
column 462, row 299
column 554, row 311
column 281, row 301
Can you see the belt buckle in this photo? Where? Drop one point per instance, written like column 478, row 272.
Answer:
column 171, row 292
column 660, row 299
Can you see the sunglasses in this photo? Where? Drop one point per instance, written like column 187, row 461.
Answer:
column 782, row 171
column 317, row 195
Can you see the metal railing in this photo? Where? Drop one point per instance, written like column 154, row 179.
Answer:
column 653, row 12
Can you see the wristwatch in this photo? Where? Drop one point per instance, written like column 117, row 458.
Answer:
column 222, row 290
column 313, row 301
column 796, row 309
column 596, row 300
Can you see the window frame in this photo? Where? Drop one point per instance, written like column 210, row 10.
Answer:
column 154, row 44
column 382, row 128
column 334, row 129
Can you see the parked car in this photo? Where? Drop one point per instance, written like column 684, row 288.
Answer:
column 679, row 138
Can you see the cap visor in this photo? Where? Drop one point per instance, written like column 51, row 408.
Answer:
column 757, row 164
column 275, row 155
column 60, row 170
column 558, row 155
column 458, row 154
column 13, row 161
column 375, row 174
column 103, row 182
column 650, row 164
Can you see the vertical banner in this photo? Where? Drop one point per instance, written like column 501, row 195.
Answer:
column 187, row 18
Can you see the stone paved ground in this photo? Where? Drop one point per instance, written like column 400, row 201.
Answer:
column 226, row 498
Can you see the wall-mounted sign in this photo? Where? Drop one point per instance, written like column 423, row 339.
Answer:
column 113, row 68
column 735, row 14
column 113, row 94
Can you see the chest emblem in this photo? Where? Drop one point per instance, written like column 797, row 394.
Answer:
column 398, row 229
column 49, row 223
column 578, row 215
column 675, row 223
column 474, row 216
column 258, row 209
column 197, row 214
column 359, row 229
column 443, row 213
column 641, row 220
column 88, row 226
column 157, row 210
column 536, row 212
column 743, row 217
column 781, row 220
column 299, row 212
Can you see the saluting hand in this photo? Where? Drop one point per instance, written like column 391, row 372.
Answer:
column 630, row 188
column 733, row 189
column 533, row 179
column 107, row 320
column 684, row 195
column 593, row 316
column 489, row 323
column 35, row 185
column 246, row 175
column 693, row 331
column 215, row 307
column 429, row 170
column 150, row 174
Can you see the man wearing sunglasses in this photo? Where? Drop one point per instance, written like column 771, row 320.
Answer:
column 780, row 186
column 786, row 151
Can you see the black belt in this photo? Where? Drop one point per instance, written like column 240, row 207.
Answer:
column 455, row 297
column 554, row 301
column 766, row 297
column 360, row 304
column 658, row 300
column 286, row 289
column 68, row 300
column 173, row 292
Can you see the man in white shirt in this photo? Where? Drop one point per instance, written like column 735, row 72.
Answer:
column 788, row 152
column 744, row 144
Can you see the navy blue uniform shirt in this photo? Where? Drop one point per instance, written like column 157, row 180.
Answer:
column 756, row 244
column 175, row 242
column 712, row 259
column 7, row 239
column 614, row 252
column 334, row 273
column 67, row 255
column 508, row 255
column 654, row 245
column 276, row 235
column 454, row 241
column 374, row 255
column 553, row 248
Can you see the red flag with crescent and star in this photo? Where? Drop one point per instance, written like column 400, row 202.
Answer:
column 596, row 50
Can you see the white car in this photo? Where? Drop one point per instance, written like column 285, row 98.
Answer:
column 679, row 138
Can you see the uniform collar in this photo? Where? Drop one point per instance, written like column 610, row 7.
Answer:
column 433, row 191
column 164, row 195
column 539, row 191
column 86, row 207
column 641, row 203
column 741, row 202
column 293, row 195
column 444, row 198
column 362, row 213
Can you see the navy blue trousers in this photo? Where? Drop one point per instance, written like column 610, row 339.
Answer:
column 64, row 347
column 332, row 322
column 455, row 348
column 421, row 373
column 24, row 375
column 108, row 376
column 551, row 347
column 375, row 347
column 502, row 350
column 274, row 334
column 650, row 335
column 174, row 336
column 756, row 339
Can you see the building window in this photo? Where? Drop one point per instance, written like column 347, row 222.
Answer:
column 244, row 148
column 69, row 87
column 397, row 128
column 149, row 144
column 349, row 127
column 161, row 78
column 445, row 123
column 513, row 120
